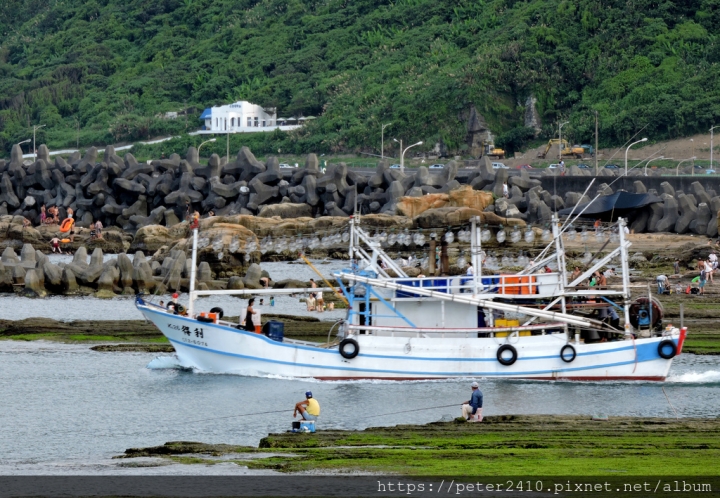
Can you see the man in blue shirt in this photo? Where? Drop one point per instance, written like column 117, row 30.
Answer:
column 472, row 409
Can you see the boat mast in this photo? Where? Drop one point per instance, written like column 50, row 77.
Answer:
column 560, row 255
column 475, row 253
column 191, row 307
column 626, row 273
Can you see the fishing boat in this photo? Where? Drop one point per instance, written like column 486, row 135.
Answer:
column 536, row 324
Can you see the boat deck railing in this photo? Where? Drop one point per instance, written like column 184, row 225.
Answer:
column 420, row 332
column 534, row 286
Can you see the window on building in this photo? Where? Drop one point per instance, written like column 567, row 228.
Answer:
column 264, row 125
column 232, row 122
column 249, row 121
column 217, row 123
column 225, row 124
column 257, row 122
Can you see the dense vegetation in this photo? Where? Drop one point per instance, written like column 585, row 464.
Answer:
column 104, row 71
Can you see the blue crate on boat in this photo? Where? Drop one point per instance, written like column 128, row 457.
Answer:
column 409, row 283
column 274, row 330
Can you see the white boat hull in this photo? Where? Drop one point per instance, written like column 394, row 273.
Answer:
column 220, row 349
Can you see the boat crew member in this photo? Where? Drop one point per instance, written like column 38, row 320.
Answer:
column 249, row 324
column 173, row 305
column 472, row 409
column 312, row 412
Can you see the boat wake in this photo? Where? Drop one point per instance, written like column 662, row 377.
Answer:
column 708, row 377
column 166, row 363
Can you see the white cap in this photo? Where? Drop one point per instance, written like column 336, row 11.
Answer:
column 474, row 384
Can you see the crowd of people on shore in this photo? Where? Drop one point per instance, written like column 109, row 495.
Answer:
column 51, row 216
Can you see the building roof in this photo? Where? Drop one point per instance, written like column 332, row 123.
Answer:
column 207, row 114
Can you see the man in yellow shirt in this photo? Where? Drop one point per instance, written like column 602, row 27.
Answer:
column 312, row 412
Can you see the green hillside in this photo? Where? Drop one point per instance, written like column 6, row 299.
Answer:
column 103, row 71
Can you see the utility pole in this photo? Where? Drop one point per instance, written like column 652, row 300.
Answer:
column 382, row 141
column 596, row 143
column 35, row 129
column 711, row 146
column 560, row 145
column 227, row 151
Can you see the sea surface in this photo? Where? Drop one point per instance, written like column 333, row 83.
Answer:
column 68, row 410
column 123, row 308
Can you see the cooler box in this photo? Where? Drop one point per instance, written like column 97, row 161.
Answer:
column 274, row 330
column 307, row 426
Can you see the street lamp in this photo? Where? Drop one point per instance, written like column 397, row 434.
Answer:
column 654, row 159
column 402, row 156
column 35, row 128
column 628, row 148
column 677, row 171
column 711, row 146
column 560, row 147
column 402, row 153
column 206, row 141
column 692, row 172
column 382, row 141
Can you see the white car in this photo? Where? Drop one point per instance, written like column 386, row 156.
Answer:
column 436, row 166
column 286, row 166
column 555, row 166
column 499, row 166
column 395, row 166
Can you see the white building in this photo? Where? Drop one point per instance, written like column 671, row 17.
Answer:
column 240, row 117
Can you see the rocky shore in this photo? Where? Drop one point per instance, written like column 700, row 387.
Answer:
column 503, row 445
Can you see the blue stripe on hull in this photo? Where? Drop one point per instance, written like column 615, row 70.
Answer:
column 415, row 373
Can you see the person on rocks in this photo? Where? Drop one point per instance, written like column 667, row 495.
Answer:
column 662, row 284
column 310, row 302
column 320, row 306
column 26, row 223
column 249, row 319
column 55, row 244
column 43, row 215
column 601, row 280
column 68, row 226
column 472, row 409
column 98, row 229
column 93, row 232
column 576, row 273
column 272, row 300
column 308, row 409
column 54, row 216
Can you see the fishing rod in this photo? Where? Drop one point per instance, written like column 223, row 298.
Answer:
column 233, row 416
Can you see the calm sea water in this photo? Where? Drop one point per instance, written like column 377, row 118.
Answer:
column 123, row 308
column 68, row 410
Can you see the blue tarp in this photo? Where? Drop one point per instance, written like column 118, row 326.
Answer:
column 609, row 207
column 207, row 114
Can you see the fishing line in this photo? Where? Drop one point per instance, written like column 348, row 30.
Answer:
column 668, row 400
column 414, row 410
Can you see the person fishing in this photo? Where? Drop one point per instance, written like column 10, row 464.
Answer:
column 249, row 324
column 313, row 408
column 472, row 409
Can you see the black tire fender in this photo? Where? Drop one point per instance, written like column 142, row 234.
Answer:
column 506, row 361
column 349, row 344
column 204, row 319
column 662, row 349
column 562, row 353
column 179, row 309
column 219, row 311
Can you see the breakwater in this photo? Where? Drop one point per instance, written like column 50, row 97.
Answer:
column 130, row 195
